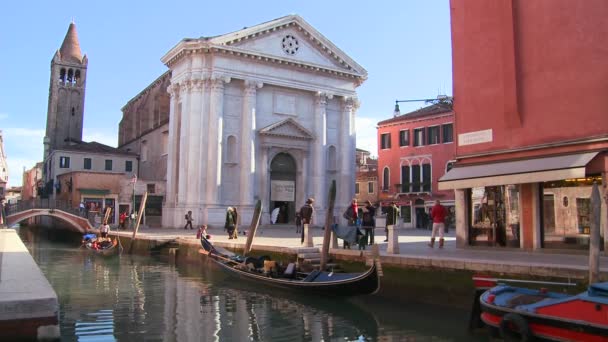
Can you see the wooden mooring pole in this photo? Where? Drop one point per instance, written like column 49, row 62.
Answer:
column 329, row 220
column 594, row 241
column 142, row 206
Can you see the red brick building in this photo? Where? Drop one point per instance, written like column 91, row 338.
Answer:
column 530, row 83
column 414, row 151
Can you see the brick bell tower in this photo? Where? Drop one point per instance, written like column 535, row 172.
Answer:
column 66, row 94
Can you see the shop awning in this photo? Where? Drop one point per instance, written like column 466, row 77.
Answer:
column 517, row 172
column 85, row 191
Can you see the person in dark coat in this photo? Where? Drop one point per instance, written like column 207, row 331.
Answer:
column 230, row 224
column 368, row 222
column 306, row 213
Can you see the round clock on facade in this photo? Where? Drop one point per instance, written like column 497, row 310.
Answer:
column 290, row 44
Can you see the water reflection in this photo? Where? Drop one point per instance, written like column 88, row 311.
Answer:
column 133, row 298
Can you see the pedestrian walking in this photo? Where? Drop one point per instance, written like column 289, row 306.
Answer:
column 438, row 214
column 81, row 208
column 306, row 216
column 230, row 223
column 369, row 213
column 298, row 222
column 189, row 219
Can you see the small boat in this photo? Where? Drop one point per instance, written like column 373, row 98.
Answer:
column 521, row 314
column 264, row 271
column 105, row 247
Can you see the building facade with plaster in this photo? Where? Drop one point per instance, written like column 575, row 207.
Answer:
column 531, row 130
column 266, row 112
column 414, row 150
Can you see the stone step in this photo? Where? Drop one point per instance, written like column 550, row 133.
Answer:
column 308, row 250
column 308, row 255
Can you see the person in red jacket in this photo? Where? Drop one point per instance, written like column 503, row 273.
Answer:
column 438, row 214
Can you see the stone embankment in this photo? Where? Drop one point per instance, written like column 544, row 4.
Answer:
column 28, row 304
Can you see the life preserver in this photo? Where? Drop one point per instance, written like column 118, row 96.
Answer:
column 514, row 327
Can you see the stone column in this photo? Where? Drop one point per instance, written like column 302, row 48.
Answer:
column 319, row 169
column 346, row 153
column 462, row 218
column 214, row 157
column 183, row 167
column 307, row 236
column 263, row 182
column 171, row 192
column 194, row 145
column 247, row 165
column 393, row 239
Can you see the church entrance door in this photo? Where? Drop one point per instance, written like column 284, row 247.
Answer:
column 282, row 189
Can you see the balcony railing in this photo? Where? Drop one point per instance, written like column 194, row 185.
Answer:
column 407, row 188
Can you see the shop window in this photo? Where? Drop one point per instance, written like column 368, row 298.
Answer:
column 433, row 135
column 447, row 131
column 404, row 137
column 566, row 213
column 495, row 215
column 385, row 141
column 64, row 162
column 419, row 137
column 87, row 163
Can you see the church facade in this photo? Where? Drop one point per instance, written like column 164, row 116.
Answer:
column 268, row 113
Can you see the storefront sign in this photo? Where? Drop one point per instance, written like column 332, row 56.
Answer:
column 283, row 191
column 473, row 138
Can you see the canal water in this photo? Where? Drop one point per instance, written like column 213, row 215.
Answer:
column 137, row 298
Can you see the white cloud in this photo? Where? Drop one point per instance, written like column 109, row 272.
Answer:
column 367, row 134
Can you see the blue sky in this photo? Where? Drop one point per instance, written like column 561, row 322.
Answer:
column 404, row 45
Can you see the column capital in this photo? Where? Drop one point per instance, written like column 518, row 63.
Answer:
column 173, row 89
column 349, row 103
column 321, row 98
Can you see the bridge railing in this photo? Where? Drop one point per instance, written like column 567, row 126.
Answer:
column 48, row 203
column 42, row 203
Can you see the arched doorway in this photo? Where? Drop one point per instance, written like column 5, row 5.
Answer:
column 283, row 188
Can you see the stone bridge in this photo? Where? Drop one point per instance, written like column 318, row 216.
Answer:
column 61, row 210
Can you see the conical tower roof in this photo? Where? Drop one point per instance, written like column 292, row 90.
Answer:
column 70, row 49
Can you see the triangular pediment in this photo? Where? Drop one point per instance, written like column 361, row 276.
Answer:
column 290, row 38
column 287, row 128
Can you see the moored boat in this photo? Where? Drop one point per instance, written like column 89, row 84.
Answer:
column 270, row 273
column 102, row 246
column 521, row 314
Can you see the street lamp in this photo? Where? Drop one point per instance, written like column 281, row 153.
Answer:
column 439, row 99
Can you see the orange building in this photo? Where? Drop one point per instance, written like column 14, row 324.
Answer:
column 530, row 85
column 414, row 151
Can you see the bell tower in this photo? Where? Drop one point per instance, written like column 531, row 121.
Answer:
column 66, row 94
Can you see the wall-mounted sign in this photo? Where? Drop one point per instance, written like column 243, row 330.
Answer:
column 473, row 138
column 284, row 191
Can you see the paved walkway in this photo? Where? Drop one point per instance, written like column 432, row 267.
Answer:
column 413, row 250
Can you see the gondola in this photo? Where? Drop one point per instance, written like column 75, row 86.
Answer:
column 521, row 314
column 269, row 273
column 105, row 248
